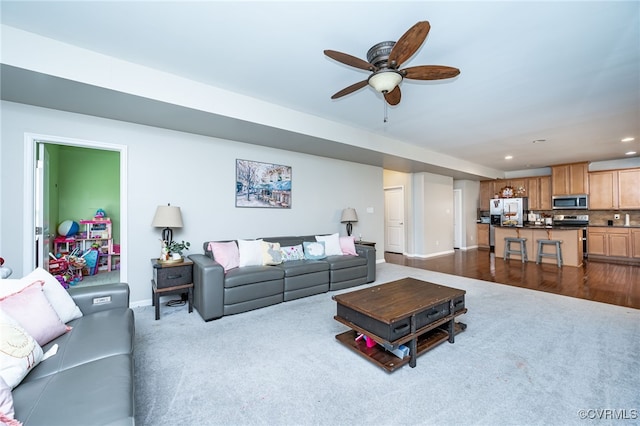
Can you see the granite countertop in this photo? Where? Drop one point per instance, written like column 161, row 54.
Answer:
column 604, row 225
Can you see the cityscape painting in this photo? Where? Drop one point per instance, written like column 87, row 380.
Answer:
column 263, row 185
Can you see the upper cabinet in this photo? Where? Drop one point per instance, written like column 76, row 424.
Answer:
column 539, row 193
column 614, row 189
column 570, row 179
column 629, row 189
column 487, row 190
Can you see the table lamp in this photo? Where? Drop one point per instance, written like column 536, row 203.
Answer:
column 349, row 215
column 167, row 217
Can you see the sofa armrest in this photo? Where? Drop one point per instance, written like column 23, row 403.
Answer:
column 96, row 298
column 208, row 287
column 369, row 253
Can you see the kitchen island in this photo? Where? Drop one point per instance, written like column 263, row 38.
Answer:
column 572, row 252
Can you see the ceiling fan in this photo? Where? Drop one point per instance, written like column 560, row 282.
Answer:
column 386, row 57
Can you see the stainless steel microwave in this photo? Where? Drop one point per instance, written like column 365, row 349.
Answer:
column 570, row 202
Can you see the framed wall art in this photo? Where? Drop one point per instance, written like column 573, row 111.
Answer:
column 263, row 185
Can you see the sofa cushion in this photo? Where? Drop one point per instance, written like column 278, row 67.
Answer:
column 19, row 351
column 252, row 274
column 226, row 254
column 314, row 250
column 250, row 252
column 98, row 392
column 31, row 309
column 331, row 244
column 92, row 337
column 341, row 262
column 301, row 267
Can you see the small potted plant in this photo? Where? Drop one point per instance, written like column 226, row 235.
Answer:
column 175, row 249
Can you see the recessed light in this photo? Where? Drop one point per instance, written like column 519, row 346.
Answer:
column 630, row 153
column 508, row 157
column 627, row 140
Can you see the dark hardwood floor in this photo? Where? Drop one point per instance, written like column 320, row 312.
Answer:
column 616, row 284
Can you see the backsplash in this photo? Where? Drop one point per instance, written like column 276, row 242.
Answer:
column 600, row 217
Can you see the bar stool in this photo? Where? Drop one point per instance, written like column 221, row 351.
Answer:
column 521, row 250
column 557, row 254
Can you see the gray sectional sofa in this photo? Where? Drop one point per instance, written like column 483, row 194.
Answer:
column 90, row 380
column 216, row 294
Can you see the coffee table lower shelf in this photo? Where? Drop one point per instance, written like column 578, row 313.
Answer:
column 388, row 361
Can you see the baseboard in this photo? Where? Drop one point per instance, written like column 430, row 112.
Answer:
column 427, row 256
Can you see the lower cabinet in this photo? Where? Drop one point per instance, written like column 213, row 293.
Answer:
column 635, row 244
column 623, row 243
column 483, row 235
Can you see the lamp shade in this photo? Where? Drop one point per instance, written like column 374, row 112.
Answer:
column 349, row 215
column 385, row 81
column 167, row 217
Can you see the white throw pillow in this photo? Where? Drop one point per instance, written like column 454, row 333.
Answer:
column 250, row 252
column 19, row 352
column 331, row 244
column 58, row 297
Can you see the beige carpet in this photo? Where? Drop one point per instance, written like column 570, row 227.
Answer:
column 527, row 357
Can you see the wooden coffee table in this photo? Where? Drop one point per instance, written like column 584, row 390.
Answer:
column 407, row 311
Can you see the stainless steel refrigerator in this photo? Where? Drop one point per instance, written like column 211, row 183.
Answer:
column 506, row 212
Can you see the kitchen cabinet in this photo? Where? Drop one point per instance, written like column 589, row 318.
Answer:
column 483, row 235
column 603, row 190
column 487, row 190
column 609, row 241
column 570, row 179
column 614, row 189
column 629, row 189
column 539, row 192
column 635, row 243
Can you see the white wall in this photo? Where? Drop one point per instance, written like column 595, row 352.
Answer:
column 470, row 202
column 196, row 173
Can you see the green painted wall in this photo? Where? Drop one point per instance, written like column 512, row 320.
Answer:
column 88, row 180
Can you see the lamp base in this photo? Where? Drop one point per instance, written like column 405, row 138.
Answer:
column 349, row 228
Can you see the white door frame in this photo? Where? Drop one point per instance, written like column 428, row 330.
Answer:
column 404, row 213
column 30, row 142
column 457, row 218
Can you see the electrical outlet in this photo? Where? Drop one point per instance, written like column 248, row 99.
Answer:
column 616, row 216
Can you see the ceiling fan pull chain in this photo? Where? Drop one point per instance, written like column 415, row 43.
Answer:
column 386, row 117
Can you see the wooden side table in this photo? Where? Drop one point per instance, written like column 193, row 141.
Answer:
column 171, row 277
column 365, row 243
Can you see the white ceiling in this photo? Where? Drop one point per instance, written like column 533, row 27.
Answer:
column 564, row 72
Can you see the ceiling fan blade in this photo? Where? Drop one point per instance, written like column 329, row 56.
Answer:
column 350, row 60
column 409, row 43
column 430, row 72
column 350, row 89
column 393, row 97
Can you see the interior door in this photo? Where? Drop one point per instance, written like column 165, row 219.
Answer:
column 394, row 219
column 42, row 233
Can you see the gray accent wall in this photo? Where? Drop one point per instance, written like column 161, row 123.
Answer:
column 196, row 173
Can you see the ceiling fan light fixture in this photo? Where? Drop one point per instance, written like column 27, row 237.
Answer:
column 385, row 81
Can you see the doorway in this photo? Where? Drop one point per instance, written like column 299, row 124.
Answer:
column 39, row 228
column 394, row 219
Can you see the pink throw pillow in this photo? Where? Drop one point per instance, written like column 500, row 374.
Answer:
column 347, row 244
column 226, row 254
column 31, row 309
column 6, row 405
